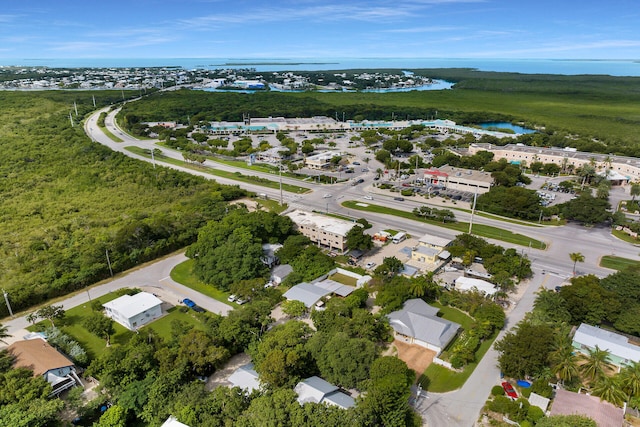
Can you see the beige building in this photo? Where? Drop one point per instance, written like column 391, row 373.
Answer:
column 321, row 160
column 628, row 167
column 459, row 179
column 322, row 230
column 430, row 250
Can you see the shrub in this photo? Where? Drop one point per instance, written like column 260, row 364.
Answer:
column 497, row 390
column 534, row 414
column 67, row 345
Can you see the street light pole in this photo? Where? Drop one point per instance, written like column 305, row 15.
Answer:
column 280, row 173
column 473, row 209
column 6, row 300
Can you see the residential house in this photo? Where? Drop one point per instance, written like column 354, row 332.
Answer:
column 621, row 351
column 246, row 378
column 321, row 229
column 317, row 390
column 173, row 422
column 418, row 323
column 311, row 293
column 134, row 311
column 44, row 360
column 466, row 284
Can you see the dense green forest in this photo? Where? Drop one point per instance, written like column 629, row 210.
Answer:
column 66, row 201
column 591, row 113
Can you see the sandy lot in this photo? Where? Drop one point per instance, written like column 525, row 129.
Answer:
column 416, row 357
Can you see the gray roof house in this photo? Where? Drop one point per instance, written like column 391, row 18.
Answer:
column 418, row 323
column 621, row 351
column 311, row 293
column 245, row 377
column 316, row 390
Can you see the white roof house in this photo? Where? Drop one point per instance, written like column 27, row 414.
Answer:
column 464, row 284
column 316, row 390
column 311, row 293
column 621, row 351
column 134, row 311
column 418, row 323
column 172, row 422
column 245, row 377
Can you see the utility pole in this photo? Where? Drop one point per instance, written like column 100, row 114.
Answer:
column 94, row 101
column 6, row 300
column 153, row 159
column 71, row 119
column 106, row 251
column 76, row 107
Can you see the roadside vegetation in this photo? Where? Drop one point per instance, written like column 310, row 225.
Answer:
column 68, row 203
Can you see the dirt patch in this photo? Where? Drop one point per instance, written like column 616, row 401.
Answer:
column 416, row 357
column 220, row 377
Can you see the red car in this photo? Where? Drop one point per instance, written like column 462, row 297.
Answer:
column 509, row 390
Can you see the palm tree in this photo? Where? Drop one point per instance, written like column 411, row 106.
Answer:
column 3, row 333
column 576, row 257
column 564, row 363
column 609, row 389
column 634, row 191
column 630, row 378
column 597, row 361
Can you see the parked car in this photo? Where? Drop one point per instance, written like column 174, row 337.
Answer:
column 370, row 265
column 509, row 390
column 188, row 303
column 198, row 309
column 242, row 301
column 232, row 298
column 356, row 163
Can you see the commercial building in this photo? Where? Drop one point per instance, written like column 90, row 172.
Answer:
column 134, row 311
column 322, row 230
column 452, row 178
column 321, row 160
column 566, row 158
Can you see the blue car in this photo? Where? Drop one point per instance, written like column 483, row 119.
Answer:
column 189, row 303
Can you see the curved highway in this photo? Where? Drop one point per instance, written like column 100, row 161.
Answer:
column 552, row 266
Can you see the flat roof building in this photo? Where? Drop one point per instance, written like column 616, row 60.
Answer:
column 321, row 160
column 322, row 230
column 452, row 178
column 134, row 311
column 621, row 351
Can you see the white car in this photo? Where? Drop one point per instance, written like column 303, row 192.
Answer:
column 368, row 197
column 326, row 196
column 232, row 298
column 370, row 265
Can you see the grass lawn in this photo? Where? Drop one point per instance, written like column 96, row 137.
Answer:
column 454, row 315
column 236, row 176
column 482, row 230
column 617, row 263
column 439, row 379
column 109, row 134
column 624, row 236
column 72, row 325
column 345, row 280
column 183, row 274
column 162, row 326
column 273, row 205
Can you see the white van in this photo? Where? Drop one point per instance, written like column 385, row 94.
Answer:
column 399, row 237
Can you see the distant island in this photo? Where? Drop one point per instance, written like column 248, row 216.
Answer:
column 235, row 64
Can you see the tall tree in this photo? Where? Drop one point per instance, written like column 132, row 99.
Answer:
column 630, row 378
column 564, row 363
column 597, row 361
column 51, row 312
column 609, row 389
column 576, row 257
column 4, row 333
column 634, row 191
column 100, row 325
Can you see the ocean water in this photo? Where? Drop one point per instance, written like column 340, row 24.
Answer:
column 530, row 66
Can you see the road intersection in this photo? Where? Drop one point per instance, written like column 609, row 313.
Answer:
column 551, row 266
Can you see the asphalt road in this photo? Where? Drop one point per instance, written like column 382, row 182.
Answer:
column 155, row 275
column 552, row 266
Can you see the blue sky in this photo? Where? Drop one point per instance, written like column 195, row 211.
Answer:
column 569, row 29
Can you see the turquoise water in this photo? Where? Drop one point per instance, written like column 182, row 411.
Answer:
column 541, row 66
column 505, row 125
